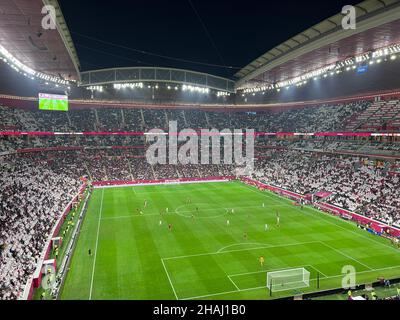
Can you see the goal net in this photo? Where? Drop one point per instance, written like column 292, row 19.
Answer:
column 288, row 279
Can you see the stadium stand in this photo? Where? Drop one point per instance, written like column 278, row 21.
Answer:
column 31, row 195
column 358, row 174
column 312, row 119
column 325, row 109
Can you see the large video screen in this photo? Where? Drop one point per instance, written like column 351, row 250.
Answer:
column 53, row 102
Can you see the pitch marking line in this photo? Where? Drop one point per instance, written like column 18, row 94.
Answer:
column 270, row 270
column 131, row 216
column 328, row 246
column 278, row 269
column 144, row 193
column 346, row 255
column 242, row 244
column 233, row 282
column 181, row 213
column 226, row 292
column 264, row 287
column 97, row 242
column 324, row 275
column 169, row 279
column 280, row 199
column 238, row 250
column 219, row 252
column 363, row 235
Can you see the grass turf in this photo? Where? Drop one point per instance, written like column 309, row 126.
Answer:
column 134, row 257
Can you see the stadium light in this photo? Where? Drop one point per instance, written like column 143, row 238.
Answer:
column 95, row 88
column 191, row 88
column 21, row 68
column 223, row 94
column 119, row 86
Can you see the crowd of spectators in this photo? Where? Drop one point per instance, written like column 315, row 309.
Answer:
column 310, row 119
column 32, row 197
column 36, row 186
column 356, row 184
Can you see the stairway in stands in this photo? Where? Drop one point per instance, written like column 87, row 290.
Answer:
column 394, row 123
column 376, row 117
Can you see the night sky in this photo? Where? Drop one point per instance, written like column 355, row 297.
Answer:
column 228, row 34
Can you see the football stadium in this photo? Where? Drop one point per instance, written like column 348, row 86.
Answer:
column 194, row 153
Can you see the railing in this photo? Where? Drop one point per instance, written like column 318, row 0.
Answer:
column 71, row 245
column 35, row 280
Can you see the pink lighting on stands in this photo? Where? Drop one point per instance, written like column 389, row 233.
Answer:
column 279, row 134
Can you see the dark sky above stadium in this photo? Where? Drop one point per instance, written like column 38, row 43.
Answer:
column 221, row 35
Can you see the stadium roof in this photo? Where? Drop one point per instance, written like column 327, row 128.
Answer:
column 378, row 25
column 152, row 74
column 48, row 51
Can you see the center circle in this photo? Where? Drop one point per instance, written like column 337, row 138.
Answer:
column 201, row 210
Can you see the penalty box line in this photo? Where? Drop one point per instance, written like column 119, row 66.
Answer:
column 279, row 269
column 262, row 246
column 265, row 287
column 234, row 275
column 324, row 276
column 280, row 199
column 330, row 218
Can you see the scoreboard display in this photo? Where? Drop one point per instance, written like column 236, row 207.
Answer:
column 53, row 102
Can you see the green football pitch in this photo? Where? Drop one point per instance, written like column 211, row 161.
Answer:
column 53, row 105
column 136, row 256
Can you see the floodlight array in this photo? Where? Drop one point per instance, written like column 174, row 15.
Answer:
column 26, row 71
column 371, row 57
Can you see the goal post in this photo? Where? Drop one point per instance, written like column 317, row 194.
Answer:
column 288, row 279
